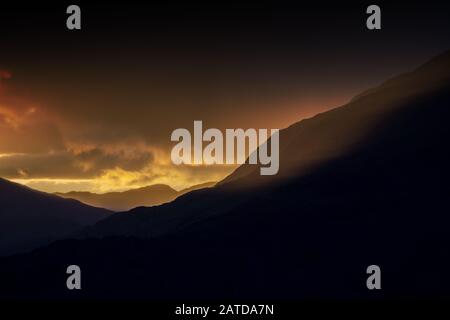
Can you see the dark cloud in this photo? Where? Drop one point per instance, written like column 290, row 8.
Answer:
column 97, row 159
column 69, row 165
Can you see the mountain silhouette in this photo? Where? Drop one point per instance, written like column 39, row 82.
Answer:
column 311, row 142
column 31, row 218
column 362, row 184
column 126, row 200
column 305, row 147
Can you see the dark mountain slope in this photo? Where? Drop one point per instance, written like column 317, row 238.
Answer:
column 197, row 187
column 310, row 233
column 308, row 143
column 30, row 218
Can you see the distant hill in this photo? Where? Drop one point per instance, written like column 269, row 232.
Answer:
column 126, row 200
column 30, row 218
column 366, row 183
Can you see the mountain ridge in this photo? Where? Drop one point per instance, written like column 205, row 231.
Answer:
column 147, row 196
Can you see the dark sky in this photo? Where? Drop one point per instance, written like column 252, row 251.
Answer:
column 99, row 104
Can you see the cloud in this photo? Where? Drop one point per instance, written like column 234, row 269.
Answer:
column 69, row 165
column 62, row 173
column 96, row 160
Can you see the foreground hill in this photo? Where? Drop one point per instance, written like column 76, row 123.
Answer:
column 126, row 200
column 30, row 218
column 366, row 183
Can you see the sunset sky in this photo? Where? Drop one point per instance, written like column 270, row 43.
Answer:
column 94, row 109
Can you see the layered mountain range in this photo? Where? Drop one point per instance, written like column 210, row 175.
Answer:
column 365, row 183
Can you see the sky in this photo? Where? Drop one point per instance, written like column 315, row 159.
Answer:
column 93, row 109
